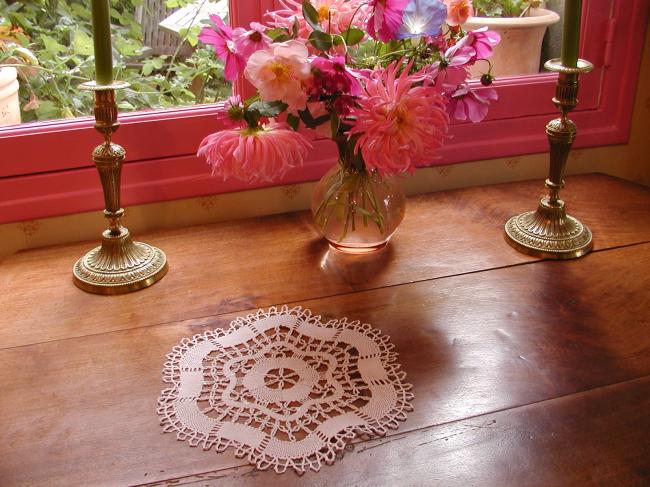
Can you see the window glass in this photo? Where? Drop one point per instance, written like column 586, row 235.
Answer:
column 155, row 49
column 531, row 33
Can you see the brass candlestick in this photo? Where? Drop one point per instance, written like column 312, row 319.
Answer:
column 119, row 265
column 549, row 232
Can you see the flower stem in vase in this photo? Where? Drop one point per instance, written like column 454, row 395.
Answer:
column 357, row 209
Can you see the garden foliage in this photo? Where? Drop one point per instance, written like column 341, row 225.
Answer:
column 51, row 43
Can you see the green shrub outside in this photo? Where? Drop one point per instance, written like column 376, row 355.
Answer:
column 50, row 41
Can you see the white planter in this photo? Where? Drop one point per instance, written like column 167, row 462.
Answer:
column 9, row 103
column 521, row 41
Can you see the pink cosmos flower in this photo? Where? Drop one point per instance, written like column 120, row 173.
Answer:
column 482, row 41
column 222, row 41
column 254, row 154
column 400, row 125
column 249, row 41
column 466, row 103
column 453, row 68
column 458, row 11
column 386, row 19
column 280, row 72
column 341, row 13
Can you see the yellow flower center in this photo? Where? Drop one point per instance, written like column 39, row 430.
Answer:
column 323, row 13
column 281, row 71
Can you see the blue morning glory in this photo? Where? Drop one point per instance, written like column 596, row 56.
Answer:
column 421, row 18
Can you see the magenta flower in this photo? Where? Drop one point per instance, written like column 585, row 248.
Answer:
column 221, row 39
column 249, row 41
column 399, row 125
column 254, row 154
column 466, row 103
column 386, row 19
column 331, row 76
column 482, row 41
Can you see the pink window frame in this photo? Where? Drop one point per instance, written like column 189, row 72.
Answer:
column 46, row 168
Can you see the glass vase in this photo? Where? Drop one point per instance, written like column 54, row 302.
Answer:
column 357, row 211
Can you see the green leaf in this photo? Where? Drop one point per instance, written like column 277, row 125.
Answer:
column 127, row 47
column 252, row 117
column 293, row 121
column 335, row 122
column 193, row 37
column 268, row 108
column 353, row 36
column 307, row 118
column 82, row 43
column 321, row 40
column 311, row 15
column 47, row 110
column 125, row 105
column 275, row 33
column 51, row 45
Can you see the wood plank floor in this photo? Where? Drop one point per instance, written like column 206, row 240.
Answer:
column 525, row 372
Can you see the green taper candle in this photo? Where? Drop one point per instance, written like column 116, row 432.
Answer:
column 571, row 32
column 102, row 40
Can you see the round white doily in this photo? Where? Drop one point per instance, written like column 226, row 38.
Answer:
column 283, row 388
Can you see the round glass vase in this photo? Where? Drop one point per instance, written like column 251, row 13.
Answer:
column 357, row 211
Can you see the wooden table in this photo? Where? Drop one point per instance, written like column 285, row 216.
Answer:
column 525, row 372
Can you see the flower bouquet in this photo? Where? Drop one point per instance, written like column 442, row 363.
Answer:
column 381, row 78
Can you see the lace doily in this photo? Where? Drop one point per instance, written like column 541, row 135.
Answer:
column 283, row 389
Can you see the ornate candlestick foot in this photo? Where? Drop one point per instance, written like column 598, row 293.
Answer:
column 119, row 265
column 549, row 232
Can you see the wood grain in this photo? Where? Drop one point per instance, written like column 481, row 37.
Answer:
column 233, row 266
column 599, row 437
column 82, row 410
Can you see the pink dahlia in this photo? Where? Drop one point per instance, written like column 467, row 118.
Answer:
column 466, row 103
column 334, row 16
column 458, row 11
column 221, row 38
column 399, row 125
column 386, row 19
column 280, row 72
column 254, row 154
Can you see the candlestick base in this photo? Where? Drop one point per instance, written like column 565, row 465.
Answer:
column 119, row 265
column 549, row 233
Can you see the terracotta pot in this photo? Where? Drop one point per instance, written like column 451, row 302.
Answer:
column 521, row 42
column 9, row 103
